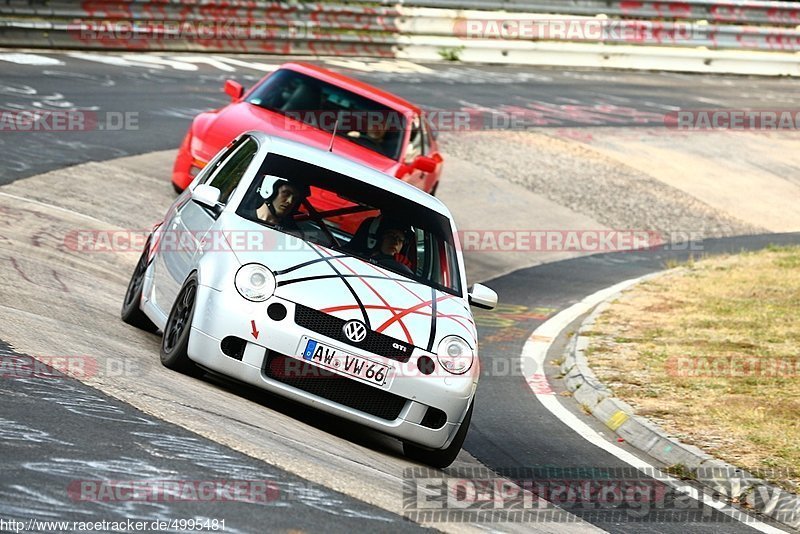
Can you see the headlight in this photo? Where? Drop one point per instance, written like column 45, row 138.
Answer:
column 255, row 282
column 455, row 355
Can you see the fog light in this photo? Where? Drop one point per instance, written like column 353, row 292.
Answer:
column 425, row 365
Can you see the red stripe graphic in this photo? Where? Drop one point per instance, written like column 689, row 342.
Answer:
column 452, row 317
column 377, row 294
column 412, row 309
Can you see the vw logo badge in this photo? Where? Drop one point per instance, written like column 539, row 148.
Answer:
column 355, row 331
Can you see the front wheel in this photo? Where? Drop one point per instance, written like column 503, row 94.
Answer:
column 175, row 342
column 443, row 457
column 131, row 312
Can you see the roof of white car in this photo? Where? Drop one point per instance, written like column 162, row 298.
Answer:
column 334, row 162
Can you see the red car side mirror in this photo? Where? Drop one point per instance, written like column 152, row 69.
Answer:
column 234, row 89
column 424, row 163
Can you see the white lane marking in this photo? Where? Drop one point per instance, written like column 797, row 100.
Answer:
column 177, row 62
column 157, row 60
column 112, row 60
column 396, row 66
column 661, row 105
column 30, row 59
column 466, row 104
column 14, row 431
column 265, row 67
column 711, row 101
column 52, row 207
column 533, row 357
column 214, row 62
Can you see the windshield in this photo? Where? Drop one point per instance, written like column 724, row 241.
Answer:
column 328, row 107
column 333, row 210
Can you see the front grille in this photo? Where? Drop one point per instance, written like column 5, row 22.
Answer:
column 336, row 388
column 331, row 326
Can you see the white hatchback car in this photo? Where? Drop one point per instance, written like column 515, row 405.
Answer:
column 303, row 273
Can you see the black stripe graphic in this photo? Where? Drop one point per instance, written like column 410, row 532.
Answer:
column 305, row 264
column 325, row 276
column 344, row 280
column 433, row 320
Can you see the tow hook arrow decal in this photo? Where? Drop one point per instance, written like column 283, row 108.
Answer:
column 254, row 332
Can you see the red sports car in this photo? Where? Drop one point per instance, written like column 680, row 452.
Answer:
column 324, row 109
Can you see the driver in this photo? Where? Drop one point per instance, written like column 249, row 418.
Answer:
column 377, row 134
column 279, row 208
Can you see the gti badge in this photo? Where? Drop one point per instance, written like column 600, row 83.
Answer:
column 355, row 331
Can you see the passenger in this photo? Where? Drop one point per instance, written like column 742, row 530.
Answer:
column 392, row 238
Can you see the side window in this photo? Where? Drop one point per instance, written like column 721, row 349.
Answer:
column 230, row 172
column 211, row 170
column 415, row 141
column 211, row 167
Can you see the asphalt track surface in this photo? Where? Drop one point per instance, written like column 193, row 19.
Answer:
column 165, row 99
column 37, row 469
column 81, row 436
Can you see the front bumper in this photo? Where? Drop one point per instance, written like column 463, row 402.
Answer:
column 220, row 315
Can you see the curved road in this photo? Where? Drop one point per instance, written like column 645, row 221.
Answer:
column 107, row 439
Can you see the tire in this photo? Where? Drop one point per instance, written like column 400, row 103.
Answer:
column 131, row 312
column 175, row 342
column 434, row 188
column 177, row 188
column 443, row 457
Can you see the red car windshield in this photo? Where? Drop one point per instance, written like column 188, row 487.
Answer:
column 325, row 106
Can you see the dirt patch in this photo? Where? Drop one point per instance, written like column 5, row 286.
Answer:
column 580, row 178
column 753, row 176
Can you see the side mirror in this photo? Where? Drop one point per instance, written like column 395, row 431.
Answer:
column 206, row 195
column 234, row 90
column 424, row 163
column 482, row 297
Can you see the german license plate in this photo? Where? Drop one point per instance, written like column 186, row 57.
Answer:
column 342, row 362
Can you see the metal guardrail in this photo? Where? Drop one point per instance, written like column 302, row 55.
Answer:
column 774, row 13
column 360, row 27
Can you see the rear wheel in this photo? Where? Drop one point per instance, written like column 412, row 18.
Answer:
column 175, row 342
column 131, row 312
column 440, row 458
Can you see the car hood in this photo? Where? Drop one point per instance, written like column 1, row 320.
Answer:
column 217, row 130
column 350, row 288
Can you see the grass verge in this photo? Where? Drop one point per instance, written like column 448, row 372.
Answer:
column 711, row 352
